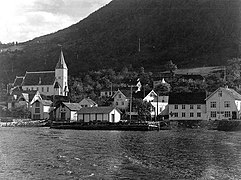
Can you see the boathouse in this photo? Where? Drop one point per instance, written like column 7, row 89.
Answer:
column 108, row 114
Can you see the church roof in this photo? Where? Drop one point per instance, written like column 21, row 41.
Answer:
column 18, row 81
column 61, row 63
column 39, row 78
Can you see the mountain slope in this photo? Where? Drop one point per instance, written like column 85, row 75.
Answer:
column 191, row 33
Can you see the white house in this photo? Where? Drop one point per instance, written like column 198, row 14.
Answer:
column 67, row 111
column 158, row 102
column 224, row 103
column 108, row 114
column 40, row 109
column 187, row 106
column 87, row 102
column 45, row 81
column 122, row 99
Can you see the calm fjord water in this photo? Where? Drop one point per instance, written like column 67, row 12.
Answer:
column 42, row 153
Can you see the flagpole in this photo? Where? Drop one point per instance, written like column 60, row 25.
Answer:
column 130, row 103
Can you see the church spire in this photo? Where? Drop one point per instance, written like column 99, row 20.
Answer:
column 61, row 63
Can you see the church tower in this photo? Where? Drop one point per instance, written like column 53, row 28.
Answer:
column 61, row 75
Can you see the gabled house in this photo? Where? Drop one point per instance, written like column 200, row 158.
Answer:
column 187, row 106
column 224, row 103
column 87, row 102
column 121, row 99
column 40, row 109
column 159, row 103
column 103, row 114
column 24, row 99
column 66, row 111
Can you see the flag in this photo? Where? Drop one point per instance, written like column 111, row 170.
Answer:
column 138, row 85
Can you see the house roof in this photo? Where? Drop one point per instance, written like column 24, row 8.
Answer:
column 72, row 106
column 18, row 81
column 27, row 95
column 39, row 78
column 89, row 101
column 45, row 102
column 187, row 98
column 61, row 63
column 229, row 91
column 97, row 110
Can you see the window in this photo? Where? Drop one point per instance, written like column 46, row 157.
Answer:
column 220, row 94
column 226, row 104
column 37, row 110
column 183, row 106
column 37, row 104
column 42, row 89
column 213, row 114
column 116, row 103
column 175, row 114
column 191, row 106
column 32, row 88
column 227, row 114
column 198, row 114
column 106, row 93
column 183, row 114
column 37, row 88
column 122, row 103
column 119, row 95
column 175, row 106
column 198, row 106
column 47, row 89
column 191, row 114
column 212, row 104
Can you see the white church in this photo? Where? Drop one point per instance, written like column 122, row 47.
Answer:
column 47, row 82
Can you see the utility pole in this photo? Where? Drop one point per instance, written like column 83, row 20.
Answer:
column 139, row 45
column 157, row 108
column 130, row 103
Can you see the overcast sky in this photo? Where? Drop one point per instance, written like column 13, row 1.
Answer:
column 22, row 20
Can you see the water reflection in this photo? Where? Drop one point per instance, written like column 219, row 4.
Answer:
column 41, row 153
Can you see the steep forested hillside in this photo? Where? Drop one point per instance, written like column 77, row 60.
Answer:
column 191, row 33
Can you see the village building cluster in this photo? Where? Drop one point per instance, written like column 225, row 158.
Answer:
column 45, row 94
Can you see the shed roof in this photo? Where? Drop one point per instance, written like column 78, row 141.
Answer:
column 96, row 110
column 72, row 106
column 39, row 78
column 187, row 98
